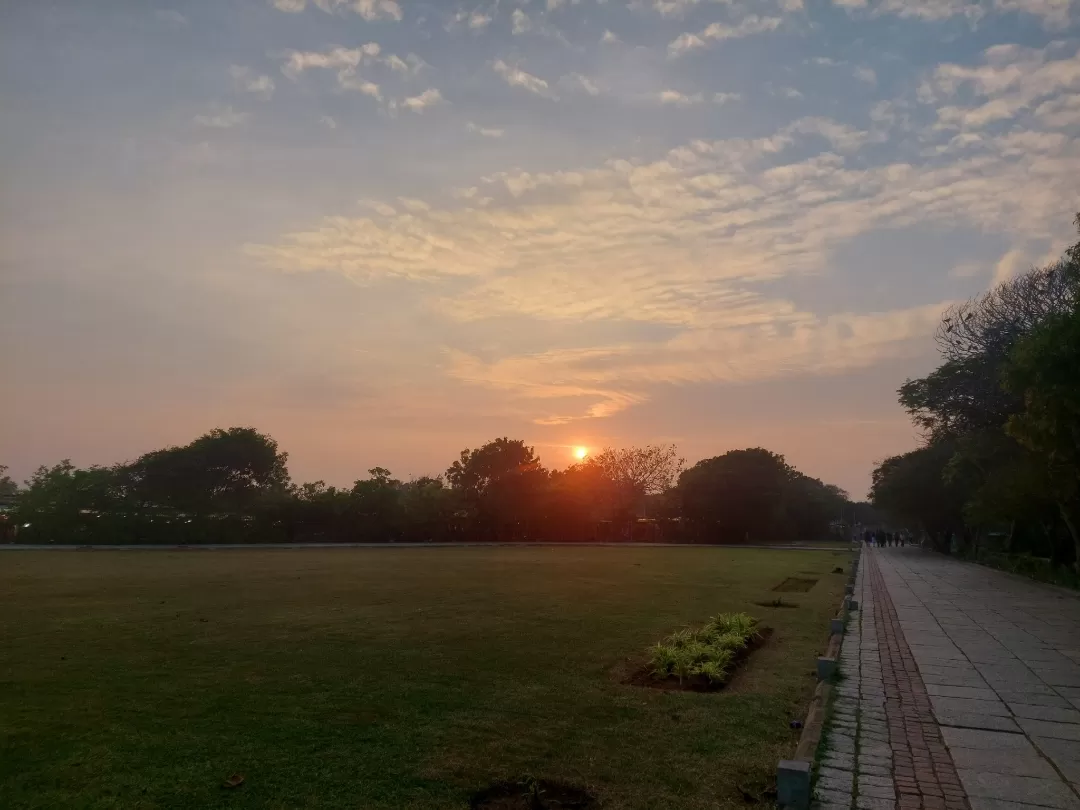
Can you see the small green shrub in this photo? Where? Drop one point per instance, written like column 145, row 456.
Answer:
column 662, row 658
column 1026, row 565
column 708, row 651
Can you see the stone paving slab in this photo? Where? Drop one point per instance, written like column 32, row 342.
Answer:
column 960, row 691
column 999, row 658
column 1023, row 789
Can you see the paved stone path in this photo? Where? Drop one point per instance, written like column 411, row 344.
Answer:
column 961, row 689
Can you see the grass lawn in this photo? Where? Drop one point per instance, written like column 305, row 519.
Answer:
column 396, row 678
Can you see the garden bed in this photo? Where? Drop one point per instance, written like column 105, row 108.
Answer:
column 702, row 660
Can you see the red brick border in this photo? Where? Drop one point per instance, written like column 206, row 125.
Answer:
column 923, row 770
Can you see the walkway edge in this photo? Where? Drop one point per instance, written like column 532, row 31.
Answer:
column 793, row 776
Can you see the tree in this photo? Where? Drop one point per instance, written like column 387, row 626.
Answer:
column 1044, row 369
column 640, row 471
column 9, row 489
column 738, row 496
column 913, row 489
column 429, row 510
column 976, row 339
column 989, row 325
column 963, row 408
column 477, row 470
column 221, row 471
column 959, row 397
column 502, row 485
column 375, row 505
column 578, row 499
column 64, row 503
column 812, row 507
column 632, row 474
column 755, row 494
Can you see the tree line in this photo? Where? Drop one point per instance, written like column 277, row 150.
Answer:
column 999, row 469
column 233, row 486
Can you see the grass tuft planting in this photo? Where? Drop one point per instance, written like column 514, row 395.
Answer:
column 708, row 652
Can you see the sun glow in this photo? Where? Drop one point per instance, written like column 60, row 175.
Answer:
column 580, row 453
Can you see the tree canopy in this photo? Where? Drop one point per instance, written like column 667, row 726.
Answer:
column 1001, row 422
column 233, row 486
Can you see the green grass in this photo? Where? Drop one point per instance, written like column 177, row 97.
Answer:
column 397, row 678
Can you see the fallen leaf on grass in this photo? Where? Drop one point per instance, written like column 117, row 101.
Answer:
column 234, row 781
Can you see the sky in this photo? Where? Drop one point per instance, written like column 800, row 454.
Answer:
column 383, row 231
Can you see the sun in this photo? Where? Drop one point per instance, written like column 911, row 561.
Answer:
column 580, row 453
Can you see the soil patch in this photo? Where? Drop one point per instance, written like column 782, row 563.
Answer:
column 796, row 585
column 640, row 675
column 776, row 603
column 530, row 794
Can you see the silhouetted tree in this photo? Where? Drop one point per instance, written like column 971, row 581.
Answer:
column 9, row 488
column 1044, row 369
column 755, row 495
column 501, row 485
column 632, row 474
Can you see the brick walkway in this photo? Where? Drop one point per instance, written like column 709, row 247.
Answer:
column 961, row 688
column 923, row 771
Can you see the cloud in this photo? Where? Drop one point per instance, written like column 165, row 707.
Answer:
column 374, row 9
column 866, row 74
column 575, row 81
column 1053, row 13
column 345, row 60
column 220, row 117
column 247, row 81
column 670, row 8
column 171, row 17
column 428, row 98
column 1061, row 113
column 370, row 10
column 598, row 382
column 785, row 92
column 487, row 132
column 479, row 21
column 1010, row 81
column 609, row 38
column 1010, row 265
column 363, row 86
column 685, row 43
column 520, row 21
column 841, row 136
column 409, row 66
column 414, row 205
column 692, row 242
column 328, row 122
column 516, row 77
column 717, row 32
column 678, row 99
column 724, row 98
